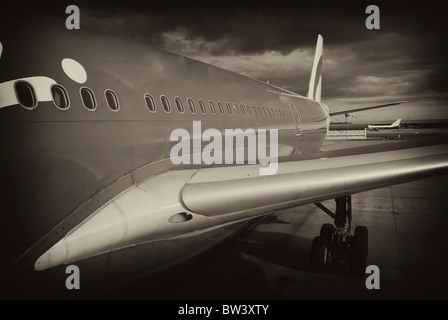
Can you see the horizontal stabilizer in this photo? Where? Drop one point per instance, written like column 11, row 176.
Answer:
column 358, row 109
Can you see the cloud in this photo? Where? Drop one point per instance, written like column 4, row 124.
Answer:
column 266, row 41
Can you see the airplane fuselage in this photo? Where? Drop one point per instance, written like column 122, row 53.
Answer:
column 62, row 164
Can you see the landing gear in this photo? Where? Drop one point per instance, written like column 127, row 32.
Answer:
column 336, row 245
column 319, row 254
column 327, row 231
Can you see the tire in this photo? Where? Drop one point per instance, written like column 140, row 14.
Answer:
column 358, row 257
column 327, row 231
column 362, row 233
column 318, row 257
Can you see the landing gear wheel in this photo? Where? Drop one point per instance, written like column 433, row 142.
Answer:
column 327, row 231
column 358, row 257
column 319, row 253
column 362, row 233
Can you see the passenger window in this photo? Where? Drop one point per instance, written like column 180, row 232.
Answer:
column 88, row 98
column 112, row 100
column 221, row 108
column 243, row 112
column 235, row 108
column 60, row 97
column 191, row 106
column 229, row 108
column 264, row 111
column 25, row 95
column 202, row 106
column 179, row 105
column 150, row 102
column 212, row 107
column 166, row 104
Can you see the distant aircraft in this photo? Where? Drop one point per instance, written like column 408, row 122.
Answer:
column 376, row 127
column 87, row 178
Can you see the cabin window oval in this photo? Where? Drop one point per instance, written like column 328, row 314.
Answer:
column 212, row 107
column 220, row 107
column 165, row 104
column 243, row 112
column 179, row 105
column 235, row 108
column 254, row 111
column 88, row 99
column 229, row 108
column 191, row 106
column 25, row 95
column 150, row 103
column 112, row 100
column 60, row 97
column 202, row 106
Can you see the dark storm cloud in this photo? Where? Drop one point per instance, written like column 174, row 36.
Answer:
column 275, row 41
column 253, row 26
column 248, row 30
column 256, row 26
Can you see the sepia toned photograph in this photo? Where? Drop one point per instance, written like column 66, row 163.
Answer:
column 205, row 150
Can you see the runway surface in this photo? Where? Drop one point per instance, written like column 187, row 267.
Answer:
column 408, row 230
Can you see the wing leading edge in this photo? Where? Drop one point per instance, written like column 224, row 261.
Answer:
column 228, row 190
column 182, row 203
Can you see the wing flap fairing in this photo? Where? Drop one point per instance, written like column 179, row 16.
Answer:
column 308, row 181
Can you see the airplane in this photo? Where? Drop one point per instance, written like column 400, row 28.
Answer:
column 376, row 127
column 87, row 178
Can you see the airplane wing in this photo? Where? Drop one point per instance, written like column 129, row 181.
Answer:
column 180, row 203
column 220, row 191
column 357, row 109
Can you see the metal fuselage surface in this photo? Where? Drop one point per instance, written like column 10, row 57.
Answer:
column 59, row 166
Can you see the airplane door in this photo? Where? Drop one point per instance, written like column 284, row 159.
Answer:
column 297, row 122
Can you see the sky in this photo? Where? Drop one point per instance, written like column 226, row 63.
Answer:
column 274, row 41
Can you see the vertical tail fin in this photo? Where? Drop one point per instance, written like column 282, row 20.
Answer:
column 315, row 87
column 396, row 123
